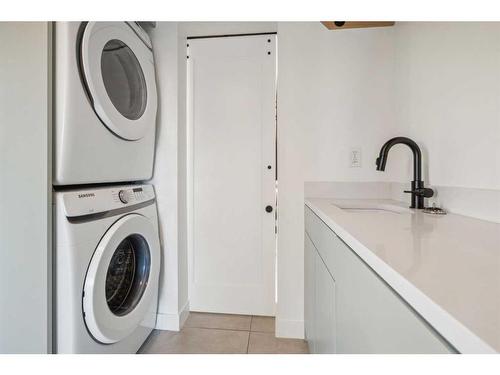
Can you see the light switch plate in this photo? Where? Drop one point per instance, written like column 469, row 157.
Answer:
column 355, row 157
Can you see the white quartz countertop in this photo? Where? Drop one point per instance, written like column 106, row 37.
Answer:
column 446, row 267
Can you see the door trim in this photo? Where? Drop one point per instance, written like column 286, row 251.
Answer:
column 229, row 35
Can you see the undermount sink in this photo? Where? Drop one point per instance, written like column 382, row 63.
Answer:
column 371, row 207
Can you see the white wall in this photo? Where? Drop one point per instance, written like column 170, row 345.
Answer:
column 25, row 188
column 335, row 91
column 168, row 174
column 183, row 297
column 448, row 99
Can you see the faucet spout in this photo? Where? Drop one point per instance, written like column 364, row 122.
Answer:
column 417, row 155
column 418, row 192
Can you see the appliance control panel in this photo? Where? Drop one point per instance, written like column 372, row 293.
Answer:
column 101, row 200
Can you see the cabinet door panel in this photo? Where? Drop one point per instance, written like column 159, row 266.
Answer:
column 373, row 318
column 324, row 309
column 309, row 292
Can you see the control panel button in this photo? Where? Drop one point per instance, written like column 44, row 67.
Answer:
column 122, row 194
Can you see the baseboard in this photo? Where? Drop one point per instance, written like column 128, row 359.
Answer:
column 293, row 329
column 167, row 322
column 172, row 322
column 184, row 314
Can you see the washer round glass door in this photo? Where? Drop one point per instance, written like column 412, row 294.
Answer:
column 122, row 279
column 118, row 69
column 128, row 274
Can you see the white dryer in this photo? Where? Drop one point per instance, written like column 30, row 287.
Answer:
column 107, row 265
column 105, row 103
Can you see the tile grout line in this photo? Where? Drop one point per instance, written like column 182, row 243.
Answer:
column 216, row 329
column 249, row 331
column 225, row 329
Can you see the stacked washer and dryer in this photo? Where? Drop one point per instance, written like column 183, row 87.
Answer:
column 107, row 251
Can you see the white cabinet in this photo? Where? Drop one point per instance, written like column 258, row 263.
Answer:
column 350, row 309
column 324, row 309
column 319, row 302
column 310, row 255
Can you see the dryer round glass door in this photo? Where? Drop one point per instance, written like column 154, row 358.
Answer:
column 119, row 75
column 122, row 279
column 123, row 79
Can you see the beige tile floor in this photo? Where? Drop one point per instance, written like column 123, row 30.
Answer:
column 206, row 333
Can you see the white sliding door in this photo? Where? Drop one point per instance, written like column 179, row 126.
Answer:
column 231, row 132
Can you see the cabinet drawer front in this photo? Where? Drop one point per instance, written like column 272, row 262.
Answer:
column 324, row 239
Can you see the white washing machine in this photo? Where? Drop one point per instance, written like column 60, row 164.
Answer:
column 107, row 265
column 105, row 103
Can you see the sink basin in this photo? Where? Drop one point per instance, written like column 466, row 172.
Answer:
column 371, row 207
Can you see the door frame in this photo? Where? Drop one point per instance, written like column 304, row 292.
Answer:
column 190, row 162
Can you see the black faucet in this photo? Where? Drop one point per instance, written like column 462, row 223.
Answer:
column 418, row 191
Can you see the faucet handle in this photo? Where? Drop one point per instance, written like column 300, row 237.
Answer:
column 421, row 192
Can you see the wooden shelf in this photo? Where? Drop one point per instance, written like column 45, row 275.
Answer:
column 338, row 25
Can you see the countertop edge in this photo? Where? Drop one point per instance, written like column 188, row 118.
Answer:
column 459, row 336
